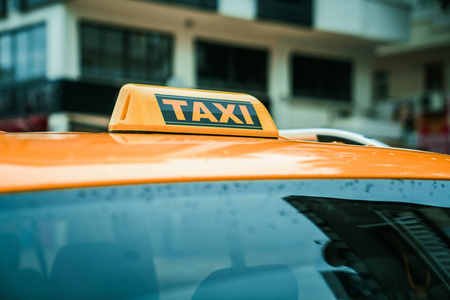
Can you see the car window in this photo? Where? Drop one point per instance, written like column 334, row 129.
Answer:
column 316, row 239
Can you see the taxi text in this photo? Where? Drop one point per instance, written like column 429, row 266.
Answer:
column 192, row 111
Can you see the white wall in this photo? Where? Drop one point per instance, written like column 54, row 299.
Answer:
column 429, row 31
column 368, row 19
column 338, row 16
column 385, row 21
column 245, row 9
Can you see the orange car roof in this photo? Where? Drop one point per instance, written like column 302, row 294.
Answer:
column 44, row 161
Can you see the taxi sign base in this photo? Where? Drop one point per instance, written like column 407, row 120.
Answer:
column 143, row 109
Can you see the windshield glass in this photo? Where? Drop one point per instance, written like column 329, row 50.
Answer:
column 311, row 239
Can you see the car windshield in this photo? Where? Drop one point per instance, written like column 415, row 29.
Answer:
column 310, row 239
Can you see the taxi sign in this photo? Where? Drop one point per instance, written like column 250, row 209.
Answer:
column 141, row 108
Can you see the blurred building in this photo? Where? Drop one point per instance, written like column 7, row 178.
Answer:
column 313, row 63
column 414, row 75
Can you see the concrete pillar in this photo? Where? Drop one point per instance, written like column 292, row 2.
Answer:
column 362, row 85
column 55, row 40
column 72, row 46
column 184, row 60
column 280, row 83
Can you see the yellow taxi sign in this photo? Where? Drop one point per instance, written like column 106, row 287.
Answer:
column 141, row 108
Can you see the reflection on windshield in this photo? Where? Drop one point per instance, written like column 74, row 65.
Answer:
column 236, row 240
column 395, row 249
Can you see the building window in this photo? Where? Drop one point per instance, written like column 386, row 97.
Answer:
column 30, row 4
column 321, row 78
column 123, row 54
column 22, row 54
column 434, row 76
column 206, row 4
column 380, row 85
column 289, row 11
column 3, row 8
column 222, row 66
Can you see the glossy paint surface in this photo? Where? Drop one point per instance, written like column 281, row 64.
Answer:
column 43, row 161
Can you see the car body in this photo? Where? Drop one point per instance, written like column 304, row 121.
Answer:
column 225, row 208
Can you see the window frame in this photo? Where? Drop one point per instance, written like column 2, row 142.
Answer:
column 233, row 84
column 294, row 12
column 13, row 35
column 24, row 5
column 378, row 85
column 200, row 4
column 125, row 32
column 325, row 62
column 3, row 8
column 434, row 76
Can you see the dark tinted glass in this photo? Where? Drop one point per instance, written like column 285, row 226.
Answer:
column 29, row 4
column 6, row 58
column 91, row 50
column 23, row 54
column 434, row 76
column 223, row 66
column 111, row 64
column 110, row 53
column 292, row 11
column 137, row 54
column 236, row 240
column 208, row 4
column 321, row 78
column 380, row 82
column 3, row 8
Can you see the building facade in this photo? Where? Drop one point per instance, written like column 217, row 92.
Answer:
column 414, row 76
column 309, row 61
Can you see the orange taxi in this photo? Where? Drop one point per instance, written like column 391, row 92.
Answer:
column 197, row 195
